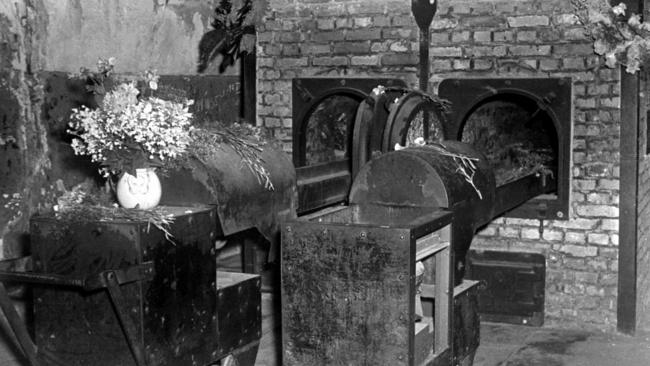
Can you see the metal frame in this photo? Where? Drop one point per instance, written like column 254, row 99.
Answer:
column 552, row 95
column 109, row 280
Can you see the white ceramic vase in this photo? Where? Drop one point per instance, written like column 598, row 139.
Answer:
column 142, row 191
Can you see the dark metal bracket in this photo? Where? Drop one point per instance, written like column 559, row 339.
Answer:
column 111, row 280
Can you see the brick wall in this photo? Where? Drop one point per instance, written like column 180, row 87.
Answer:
column 480, row 38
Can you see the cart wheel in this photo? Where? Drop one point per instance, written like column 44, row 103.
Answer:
column 229, row 360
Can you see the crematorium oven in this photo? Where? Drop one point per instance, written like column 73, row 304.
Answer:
column 355, row 279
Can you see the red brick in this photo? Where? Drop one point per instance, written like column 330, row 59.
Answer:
column 362, row 22
column 549, row 64
column 597, row 211
column 325, row 24
column 461, row 65
column 573, row 49
column 458, row 37
column 566, row 19
column 527, row 36
column 489, row 51
column 400, row 59
column 330, row 61
column 315, row 49
column 444, row 23
column 481, row 64
column 446, row 51
column 343, row 23
column 399, row 33
column 503, row 36
column 482, row 36
column 487, row 21
column 363, row 34
column 573, row 63
column 528, row 21
column 292, row 62
column 529, row 50
column 323, row 37
column 365, row 60
column 351, row 47
column 399, row 47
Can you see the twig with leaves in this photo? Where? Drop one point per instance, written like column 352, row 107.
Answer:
column 157, row 217
column 232, row 36
column 465, row 165
column 205, row 140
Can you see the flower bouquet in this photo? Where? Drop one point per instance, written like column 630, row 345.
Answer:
column 129, row 134
column 617, row 36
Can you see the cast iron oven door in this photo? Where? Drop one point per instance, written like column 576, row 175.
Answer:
column 539, row 109
column 324, row 112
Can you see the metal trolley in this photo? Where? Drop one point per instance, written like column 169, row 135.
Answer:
column 167, row 303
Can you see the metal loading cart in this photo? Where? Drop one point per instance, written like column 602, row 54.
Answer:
column 349, row 289
column 119, row 293
column 380, row 281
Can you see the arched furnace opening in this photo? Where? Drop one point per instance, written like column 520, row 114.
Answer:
column 523, row 127
column 515, row 134
column 324, row 112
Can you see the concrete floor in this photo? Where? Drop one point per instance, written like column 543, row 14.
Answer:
column 512, row 345
column 501, row 345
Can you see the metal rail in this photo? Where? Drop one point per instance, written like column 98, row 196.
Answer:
column 109, row 280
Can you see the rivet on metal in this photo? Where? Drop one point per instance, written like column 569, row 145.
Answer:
column 401, row 237
column 559, row 214
column 363, row 234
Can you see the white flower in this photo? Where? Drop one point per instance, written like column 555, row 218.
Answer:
column 380, row 89
column 610, row 59
column 153, row 126
column 619, row 9
column 600, row 47
column 634, row 21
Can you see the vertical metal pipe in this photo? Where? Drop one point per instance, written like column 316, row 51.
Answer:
column 626, row 307
column 425, row 37
column 423, row 11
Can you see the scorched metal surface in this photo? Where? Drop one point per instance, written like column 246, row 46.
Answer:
column 175, row 315
column 348, row 285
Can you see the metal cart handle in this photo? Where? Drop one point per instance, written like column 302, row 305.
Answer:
column 109, row 279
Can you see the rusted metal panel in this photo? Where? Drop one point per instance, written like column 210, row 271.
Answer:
column 551, row 96
column 467, row 326
column 180, row 303
column 512, row 194
column 216, row 97
column 322, row 185
column 348, row 285
column 85, row 328
column 345, row 295
column 514, row 286
column 242, row 202
column 425, row 177
column 238, row 311
column 176, row 314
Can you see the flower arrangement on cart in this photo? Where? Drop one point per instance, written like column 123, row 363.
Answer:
column 137, row 131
